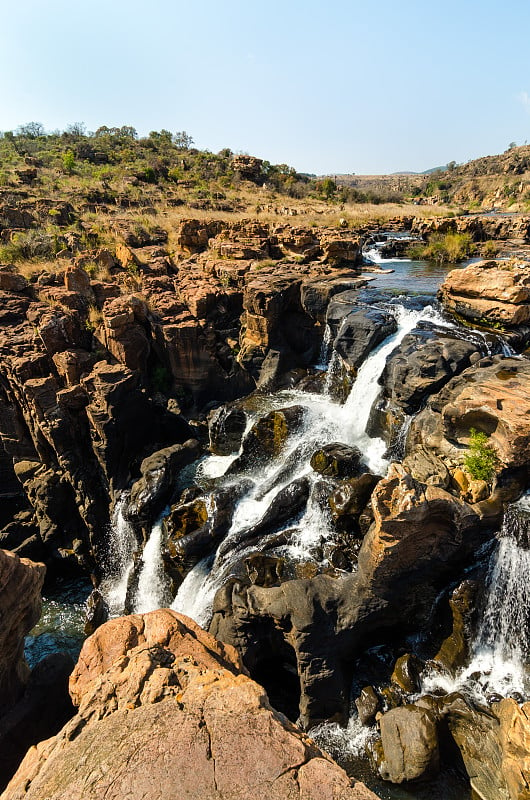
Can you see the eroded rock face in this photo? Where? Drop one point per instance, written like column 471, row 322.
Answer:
column 163, row 710
column 491, row 397
column 490, row 291
column 20, row 606
column 421, row 534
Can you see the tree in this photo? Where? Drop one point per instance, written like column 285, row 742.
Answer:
column 182, row 140
column 76, row 130
column 32, row 130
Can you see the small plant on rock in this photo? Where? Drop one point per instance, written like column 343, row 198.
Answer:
column 481, row 460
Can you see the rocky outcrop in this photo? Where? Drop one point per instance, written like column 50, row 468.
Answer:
column 490, row 397
column 20, row 606
column 426, row 359
column 421, row 534
column 357, row 329
column 152, row 689
column 489, row 293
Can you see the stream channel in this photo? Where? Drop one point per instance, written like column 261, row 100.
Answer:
column 409, row 293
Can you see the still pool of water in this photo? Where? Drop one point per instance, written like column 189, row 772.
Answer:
column 410, row 277
column 60, row 627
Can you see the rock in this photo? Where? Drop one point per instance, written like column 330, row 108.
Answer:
column 490, row 292
column 360, row 331
column 151, row 493
column 249, row 168
column 477, row 736
column 409, row 743
column 514, row 738
column 426, row 360
column 11, row 280
column 421, row 537
column 40, row 713
column 97, row 612
column 406, row 674
column 350, row 498
column 367, row 704
column 153, row 689
column 268, row 437
column 226, row 426
column 20, row 606
column 264, row 570
column 491, row 397
column 337, row 460
column 456, row 648
column 77, row 280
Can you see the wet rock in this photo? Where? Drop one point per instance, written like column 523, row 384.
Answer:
column 456, row 648
column 409, row 743
column 226, row 426
column 337, row 460
column 407, row 672
column 367, row 704
column 152, row 689
column 267, row 438
column 264, row 570
column 193, row 530
column 489, row 292
column 150, row 493
column 96, row 612
column 350, row 498
column 357, row 329
column 284, row 508
column 425, row 361
column 477, row 735
column 421, row 535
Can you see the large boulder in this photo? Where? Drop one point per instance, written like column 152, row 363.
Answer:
column 357, row 329
column 425, row 360
column 490, row 292
column 409, row 744
column 165, row 711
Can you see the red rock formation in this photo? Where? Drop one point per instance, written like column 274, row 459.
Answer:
column 165, row 712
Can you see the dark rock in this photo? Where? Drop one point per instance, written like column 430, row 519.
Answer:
column 227, row 426
column 349, row 499
column 337, row 460
column 358, row 331
column 367, row 704
column 96, row 613
column 40, row 713
column 407, row 673
column 267, row 438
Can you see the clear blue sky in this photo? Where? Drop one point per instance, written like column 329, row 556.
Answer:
column 337, row 86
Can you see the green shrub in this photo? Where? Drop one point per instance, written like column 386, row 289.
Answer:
column 68, row 162
column 481, row 460
column 444, row 248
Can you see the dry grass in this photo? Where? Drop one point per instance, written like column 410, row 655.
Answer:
column 30, row 268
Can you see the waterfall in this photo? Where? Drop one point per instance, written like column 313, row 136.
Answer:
column 118, row 568
column 325, row 421
column 153, row 589
column 501, row 650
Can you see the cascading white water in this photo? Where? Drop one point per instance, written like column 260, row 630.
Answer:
column 501, row 651
column 325, row 421
column 122, row 547
column 153, row 589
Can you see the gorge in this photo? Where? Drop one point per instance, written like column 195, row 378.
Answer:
column 270, row 436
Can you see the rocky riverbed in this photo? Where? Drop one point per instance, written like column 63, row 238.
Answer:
column 274, row 444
